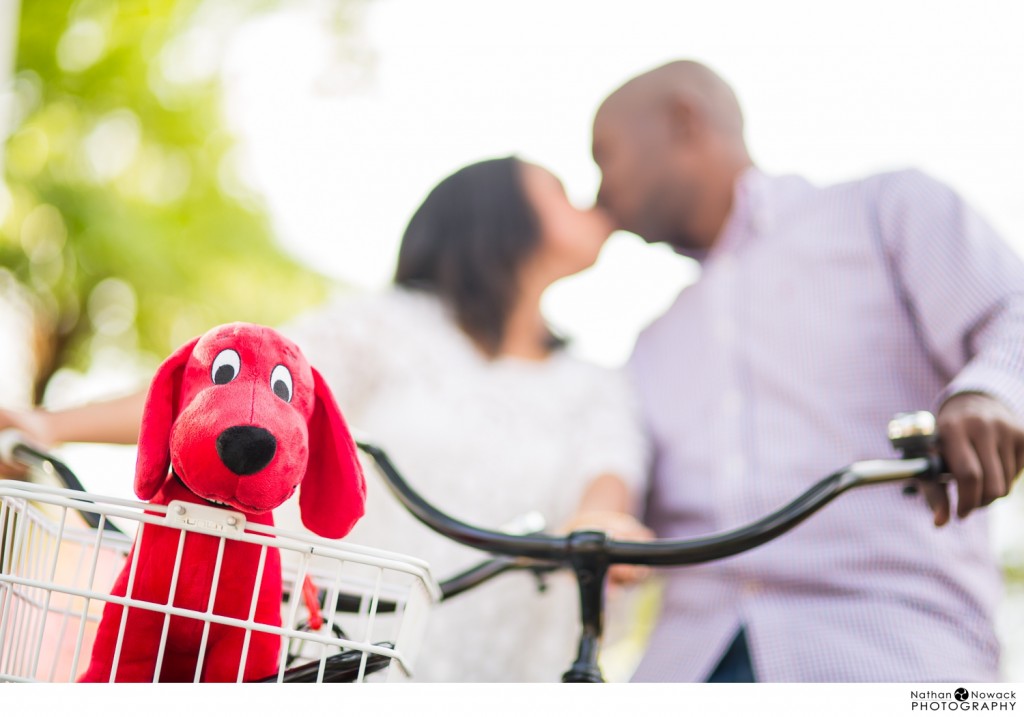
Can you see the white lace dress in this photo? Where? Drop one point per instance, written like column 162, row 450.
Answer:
column 486, row 440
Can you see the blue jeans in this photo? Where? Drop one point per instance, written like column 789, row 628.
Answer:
column 735, row 664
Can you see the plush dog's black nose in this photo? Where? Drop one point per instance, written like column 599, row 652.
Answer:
column 246, row 449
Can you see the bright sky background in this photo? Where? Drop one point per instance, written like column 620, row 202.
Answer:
column 344, row 157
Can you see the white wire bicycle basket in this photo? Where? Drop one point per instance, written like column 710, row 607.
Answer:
column 350, row 613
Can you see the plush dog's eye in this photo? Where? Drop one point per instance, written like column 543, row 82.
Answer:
column 225, row 366
column 281, row 382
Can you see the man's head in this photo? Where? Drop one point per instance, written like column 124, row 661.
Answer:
column 670, row 145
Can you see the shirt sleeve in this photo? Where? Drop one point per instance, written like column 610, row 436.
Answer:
column 342, row 341
column 962, row 282
column 611, row 439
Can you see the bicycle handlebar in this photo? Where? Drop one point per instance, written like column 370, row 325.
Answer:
column 15, row 448
column 589, row 552
column 552, row 548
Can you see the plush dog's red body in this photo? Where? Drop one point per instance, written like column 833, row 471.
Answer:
column 240, row 419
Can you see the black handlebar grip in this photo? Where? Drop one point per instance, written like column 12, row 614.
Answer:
column 937, row 469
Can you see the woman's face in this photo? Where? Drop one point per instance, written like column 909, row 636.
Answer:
column 570, row 238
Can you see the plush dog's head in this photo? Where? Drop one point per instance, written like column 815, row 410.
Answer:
column 242, row 418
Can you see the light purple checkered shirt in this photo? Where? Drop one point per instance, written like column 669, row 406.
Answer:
column 819, row 314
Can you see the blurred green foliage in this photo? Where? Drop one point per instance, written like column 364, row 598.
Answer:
column 126, row 216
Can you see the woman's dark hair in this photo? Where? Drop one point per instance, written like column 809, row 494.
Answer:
column 467, row 242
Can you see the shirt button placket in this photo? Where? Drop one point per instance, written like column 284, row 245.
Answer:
column 730, row 459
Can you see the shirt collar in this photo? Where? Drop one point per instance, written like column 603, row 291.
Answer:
column 751, row 214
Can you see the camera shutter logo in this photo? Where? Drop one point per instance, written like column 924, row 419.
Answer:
column 961, row 694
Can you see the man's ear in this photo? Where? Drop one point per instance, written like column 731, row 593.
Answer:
column 681, row 116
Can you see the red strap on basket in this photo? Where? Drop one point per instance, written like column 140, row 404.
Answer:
column 311, row 597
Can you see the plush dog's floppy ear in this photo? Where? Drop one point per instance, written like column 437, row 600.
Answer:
column 333, row 492
column 155, row 432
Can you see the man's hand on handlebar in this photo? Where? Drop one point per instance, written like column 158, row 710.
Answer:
column 983, row 445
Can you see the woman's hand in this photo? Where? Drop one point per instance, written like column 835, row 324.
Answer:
column 605, row 507
column 36, row 427
column 112, row 421
column 618, row 525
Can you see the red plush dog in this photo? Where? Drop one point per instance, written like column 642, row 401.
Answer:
column 240, row 419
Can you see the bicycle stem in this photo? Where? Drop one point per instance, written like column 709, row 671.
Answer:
column 588, row 557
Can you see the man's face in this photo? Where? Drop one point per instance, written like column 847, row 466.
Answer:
column 631, row 149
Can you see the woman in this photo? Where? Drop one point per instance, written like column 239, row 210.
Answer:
column 455, row 371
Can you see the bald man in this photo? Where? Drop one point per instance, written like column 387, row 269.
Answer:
column 819, row 313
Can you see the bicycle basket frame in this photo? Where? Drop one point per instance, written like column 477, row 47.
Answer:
column 56, row 574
